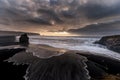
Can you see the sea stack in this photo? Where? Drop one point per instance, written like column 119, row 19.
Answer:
column 24, row 39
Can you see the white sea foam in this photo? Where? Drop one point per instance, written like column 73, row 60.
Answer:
column 76, row 43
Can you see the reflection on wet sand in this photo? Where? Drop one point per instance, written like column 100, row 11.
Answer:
column 49, row 63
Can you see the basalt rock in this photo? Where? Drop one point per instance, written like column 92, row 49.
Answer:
column 111, row 42
column 24, row 39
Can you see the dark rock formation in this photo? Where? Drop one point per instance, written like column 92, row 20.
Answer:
column 111, row 42
column 24, row 39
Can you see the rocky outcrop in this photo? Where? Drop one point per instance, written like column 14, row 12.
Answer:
column 111, row 42
column 24, row 39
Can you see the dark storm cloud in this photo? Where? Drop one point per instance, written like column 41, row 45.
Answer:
column 99, row 29
column 99, row 11
column 28, row 12
column 66, row 12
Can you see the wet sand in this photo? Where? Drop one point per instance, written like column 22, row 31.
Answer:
column 8, row 70
column 36, row 55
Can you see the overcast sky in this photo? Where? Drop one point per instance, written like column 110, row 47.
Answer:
column 60, row 15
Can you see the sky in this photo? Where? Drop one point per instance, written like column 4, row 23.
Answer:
column 61, row 17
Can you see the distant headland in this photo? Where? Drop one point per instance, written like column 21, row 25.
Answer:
column 15, row 33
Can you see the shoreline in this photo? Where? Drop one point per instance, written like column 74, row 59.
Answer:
column 112, row 64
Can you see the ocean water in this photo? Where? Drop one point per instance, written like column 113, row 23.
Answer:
column 63, row 42
column 82, row 44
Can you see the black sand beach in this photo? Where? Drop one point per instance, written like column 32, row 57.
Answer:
column 8, row 70
column 67, row 66
column 58, row 67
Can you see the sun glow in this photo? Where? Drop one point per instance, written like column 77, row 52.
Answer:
column 62, row 33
